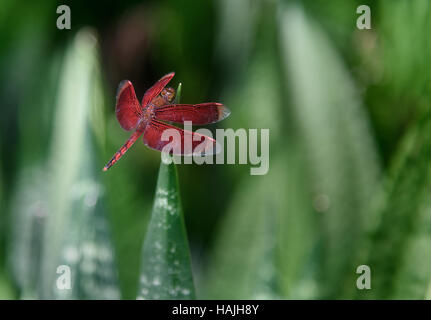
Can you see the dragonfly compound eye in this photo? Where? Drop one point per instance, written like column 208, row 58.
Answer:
column 168, row 94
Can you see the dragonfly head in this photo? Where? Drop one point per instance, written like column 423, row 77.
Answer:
column 168, row 94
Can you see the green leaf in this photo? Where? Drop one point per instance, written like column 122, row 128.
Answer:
column 76, row 233
column 399, row 254
column 340, row 153
column 29, row 207
column 166, row 269
column 178, row 94
column 6, row 290
column 245, row 262
column 29, row 201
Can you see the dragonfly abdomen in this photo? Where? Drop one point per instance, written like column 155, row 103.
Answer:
column 135, row 135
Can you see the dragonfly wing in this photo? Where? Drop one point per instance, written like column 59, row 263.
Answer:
column 127, row 110
column 198, row 114
column 182, row 141
column 155, row 90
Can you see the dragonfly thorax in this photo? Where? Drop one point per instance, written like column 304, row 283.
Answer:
column 165, row 97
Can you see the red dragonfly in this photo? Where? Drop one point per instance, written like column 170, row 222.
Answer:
column 157, row 105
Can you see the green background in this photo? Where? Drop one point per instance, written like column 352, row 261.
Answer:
column 350, row 146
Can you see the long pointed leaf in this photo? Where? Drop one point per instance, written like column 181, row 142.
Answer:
column 166, row 269
column 76, row 232
column 340, row 152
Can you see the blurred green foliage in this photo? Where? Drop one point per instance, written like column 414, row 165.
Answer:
column 349, row 119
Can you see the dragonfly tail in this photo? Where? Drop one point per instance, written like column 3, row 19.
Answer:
column 124, row 148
